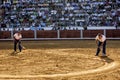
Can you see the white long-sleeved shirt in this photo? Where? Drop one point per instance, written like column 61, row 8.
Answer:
column 102, row 39
column 17, row 36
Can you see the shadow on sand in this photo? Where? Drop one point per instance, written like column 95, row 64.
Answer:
column 14, row 53
column 106, row 59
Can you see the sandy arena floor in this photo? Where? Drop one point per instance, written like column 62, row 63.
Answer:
column 59, row 60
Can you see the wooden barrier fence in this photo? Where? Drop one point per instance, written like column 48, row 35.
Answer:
column 75, row 34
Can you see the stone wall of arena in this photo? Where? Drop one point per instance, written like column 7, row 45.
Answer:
column 62, row 34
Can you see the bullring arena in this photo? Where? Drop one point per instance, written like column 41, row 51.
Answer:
column 58, row 39
column 59, row 60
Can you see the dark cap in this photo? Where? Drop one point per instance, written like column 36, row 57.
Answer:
column 99, row 34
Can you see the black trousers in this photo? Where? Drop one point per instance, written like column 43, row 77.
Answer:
column 17, row 42
column 103, row 48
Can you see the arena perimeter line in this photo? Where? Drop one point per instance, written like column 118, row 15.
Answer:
column 107, row 66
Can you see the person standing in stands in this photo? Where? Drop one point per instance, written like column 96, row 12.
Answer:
column 101, row 43
column 17, row 40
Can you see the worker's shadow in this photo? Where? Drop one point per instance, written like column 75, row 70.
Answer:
column 106, row 59
column 14, row 53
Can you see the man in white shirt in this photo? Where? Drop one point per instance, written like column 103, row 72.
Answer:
column 101, row 42
column 17, row 40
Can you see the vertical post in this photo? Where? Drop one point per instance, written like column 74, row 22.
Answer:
column 81, row 33
column 105, row 32
column 58, row 34
column 12, row 34
column 35, row 34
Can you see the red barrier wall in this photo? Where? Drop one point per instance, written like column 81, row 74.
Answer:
column 91, row 33
column 70, row 34
column 63, row 34
column 47, row 34
column 113, row 33
column 5, row 34
column 27, row 34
